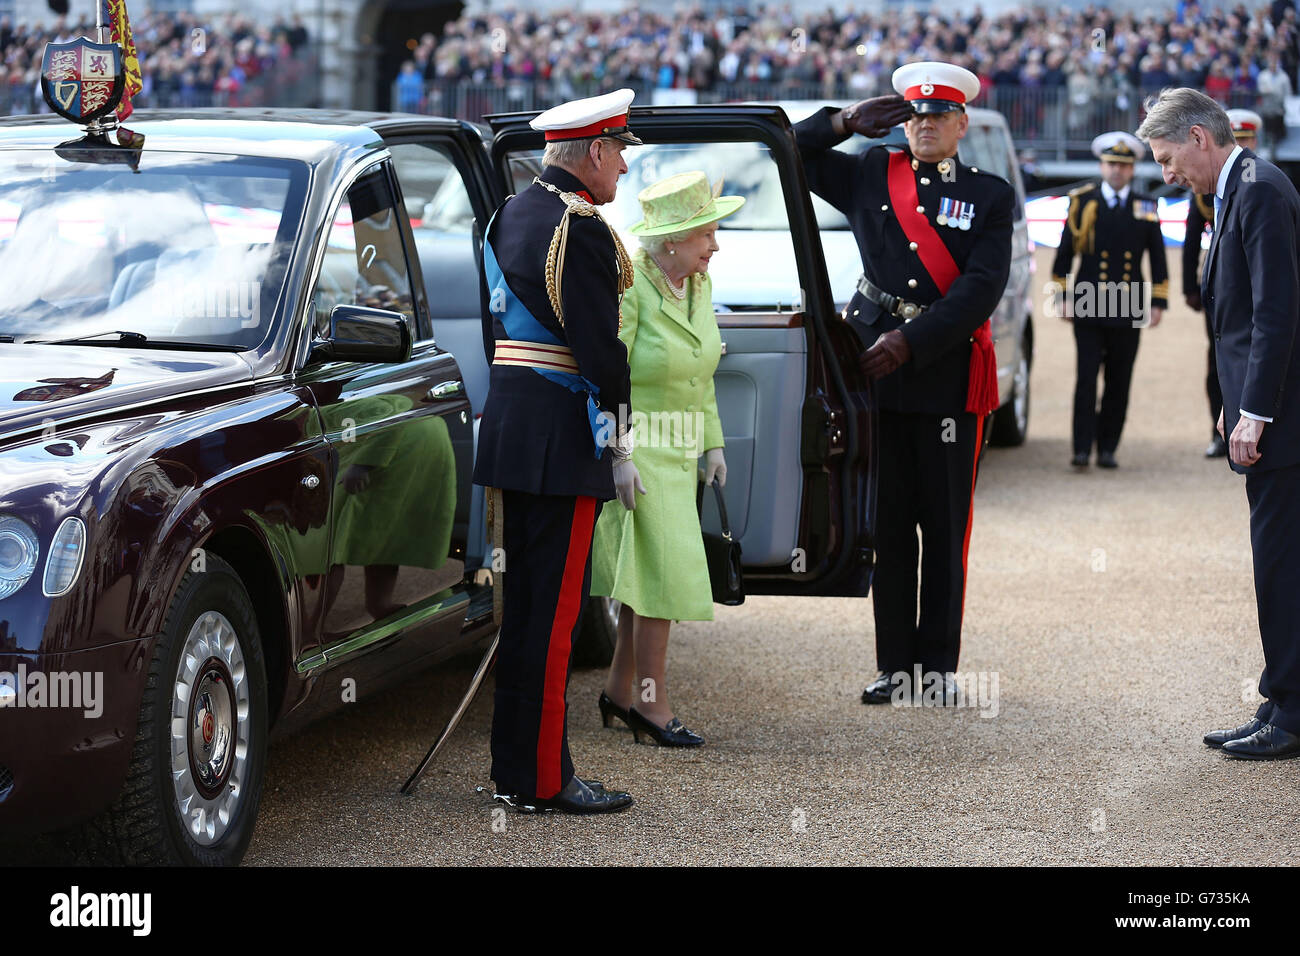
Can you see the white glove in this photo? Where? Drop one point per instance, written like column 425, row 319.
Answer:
column 715, row 464
column 626, row 478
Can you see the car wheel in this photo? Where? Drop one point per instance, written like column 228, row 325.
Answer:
column 195, row 782
column 598, row 633
column 1011, row 421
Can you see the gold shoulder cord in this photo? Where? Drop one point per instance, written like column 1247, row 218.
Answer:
column 576, row 205
column 1082, row 225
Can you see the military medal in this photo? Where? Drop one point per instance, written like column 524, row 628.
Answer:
column 967, row 215
column 942, row 218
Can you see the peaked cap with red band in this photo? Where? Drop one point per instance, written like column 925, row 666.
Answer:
column 1245, row 123
column 936, row 87
column 604, row 115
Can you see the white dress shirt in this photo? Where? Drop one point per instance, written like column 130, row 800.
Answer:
column 1109, row 194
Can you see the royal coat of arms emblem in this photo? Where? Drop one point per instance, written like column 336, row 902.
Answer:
column 82, row 80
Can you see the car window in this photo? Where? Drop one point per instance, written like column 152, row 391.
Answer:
column 364, row 262
column 441, row 213
column 758, row 233
column 184, row 248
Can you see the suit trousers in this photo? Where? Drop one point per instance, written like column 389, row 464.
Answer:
column 926, row 479
column 1212, row 389
column 1274, row 498
column 547, row 546
column 1114, row 349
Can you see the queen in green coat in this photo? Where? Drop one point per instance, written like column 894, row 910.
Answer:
column 649, row 554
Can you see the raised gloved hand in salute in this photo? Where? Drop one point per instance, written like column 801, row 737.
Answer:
column 874, row 117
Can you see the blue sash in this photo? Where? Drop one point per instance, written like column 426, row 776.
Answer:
column 521, row 325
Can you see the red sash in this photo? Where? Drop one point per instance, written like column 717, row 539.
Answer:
column 982, row 392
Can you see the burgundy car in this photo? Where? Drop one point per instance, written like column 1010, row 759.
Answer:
column 239, row 372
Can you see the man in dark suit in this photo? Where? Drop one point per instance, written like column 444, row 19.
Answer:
column 1110, row 226
column 1200, row 214
column 553, row 274
column 935, row 239
column 1251, row 292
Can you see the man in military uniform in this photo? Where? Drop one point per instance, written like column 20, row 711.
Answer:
column 935, row 239
column 1109, row 225
column 548, row 447
column 1200, row 214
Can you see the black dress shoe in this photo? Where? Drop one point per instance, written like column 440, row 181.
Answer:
column 880, row 690
column 672, row 735
column 1270, row 742
column 1106, row 459
column 1080, row 460
column 576, row 797
column 609, row 709
column 1217, row 447
column 1217, row 738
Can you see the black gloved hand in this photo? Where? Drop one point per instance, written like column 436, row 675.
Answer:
column 890, row 351
column 875, row 117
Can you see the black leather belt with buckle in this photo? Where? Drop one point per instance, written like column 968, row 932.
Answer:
column 892, row 304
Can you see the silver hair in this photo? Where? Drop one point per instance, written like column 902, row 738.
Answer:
column 569, row 153
column 1173, row 113
column 655, row 244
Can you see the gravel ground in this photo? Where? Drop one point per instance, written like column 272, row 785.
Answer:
column 1116, row 610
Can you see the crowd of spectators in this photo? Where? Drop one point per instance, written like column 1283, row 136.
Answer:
column 1087, row 55
column 186, row 60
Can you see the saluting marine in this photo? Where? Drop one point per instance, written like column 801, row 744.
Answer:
column 553, row 274
column 1109, row 226
column 1246, row 125
column 935, row 240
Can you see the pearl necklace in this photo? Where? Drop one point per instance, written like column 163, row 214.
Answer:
column 678, row 294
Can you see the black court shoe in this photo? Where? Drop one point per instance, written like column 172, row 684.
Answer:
column 610, row 709
column 673, row 735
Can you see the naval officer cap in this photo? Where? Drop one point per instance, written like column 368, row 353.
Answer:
column 1118, row 146
column 936, row 87
column 604, row 115
column 1245, row 123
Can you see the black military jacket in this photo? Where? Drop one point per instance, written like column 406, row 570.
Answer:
column 1110, row 242
column 935, row 379
column 1200, row 213
column 535, row 435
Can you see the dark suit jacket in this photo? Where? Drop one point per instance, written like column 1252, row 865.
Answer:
column 535, row 435
column 935, row 379
column 1251, row 289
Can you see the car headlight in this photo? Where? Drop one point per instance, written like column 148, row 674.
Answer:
column 18, row 553
column 64, row 563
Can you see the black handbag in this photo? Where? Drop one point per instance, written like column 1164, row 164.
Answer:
column 722, row 553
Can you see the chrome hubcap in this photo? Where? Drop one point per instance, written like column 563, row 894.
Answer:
column 209, row 728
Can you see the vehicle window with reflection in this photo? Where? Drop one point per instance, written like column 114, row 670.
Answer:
column 364, row 261
column 759, row 232
column 183, row 248
column 443, row 225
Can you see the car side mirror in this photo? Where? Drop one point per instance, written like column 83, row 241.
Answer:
column 361, row 334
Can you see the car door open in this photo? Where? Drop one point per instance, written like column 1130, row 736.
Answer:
column 796, row 413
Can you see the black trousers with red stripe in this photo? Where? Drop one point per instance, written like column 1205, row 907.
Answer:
column 547, row 543
column 926, row 479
